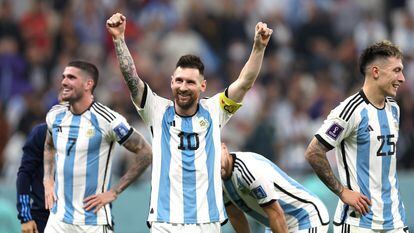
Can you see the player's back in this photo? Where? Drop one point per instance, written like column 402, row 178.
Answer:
column 251, row 178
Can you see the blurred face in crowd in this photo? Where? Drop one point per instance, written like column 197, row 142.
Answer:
column 389, row 75
column 186, row 86
column 75, row 84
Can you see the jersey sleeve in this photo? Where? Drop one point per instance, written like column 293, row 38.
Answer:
column 225, row 106
column 120, row 130
column 151, row 104
column 334, row 129
column 263, row 191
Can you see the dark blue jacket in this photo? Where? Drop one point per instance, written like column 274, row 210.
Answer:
column 30, row 190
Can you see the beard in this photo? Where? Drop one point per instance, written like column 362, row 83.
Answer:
column 185, row 104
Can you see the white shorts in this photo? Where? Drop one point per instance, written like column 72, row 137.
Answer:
column 346, row 228
column 163, row 227
column 318, row 229
column 55, row 225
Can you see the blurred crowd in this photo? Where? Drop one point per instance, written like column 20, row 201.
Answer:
column 310, row 64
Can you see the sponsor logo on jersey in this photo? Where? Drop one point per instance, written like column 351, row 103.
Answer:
column 334, row 131
column 121, row 131
column 259, row 193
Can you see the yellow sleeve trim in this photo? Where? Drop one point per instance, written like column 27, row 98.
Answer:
column 228, row 104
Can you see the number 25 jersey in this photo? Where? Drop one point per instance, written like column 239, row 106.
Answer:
column 365, row 139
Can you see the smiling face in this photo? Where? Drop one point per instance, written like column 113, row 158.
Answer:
column 74, row 84
column 389, row 76
column 186, row 86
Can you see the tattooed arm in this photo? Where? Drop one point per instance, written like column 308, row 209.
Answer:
column 49, row 171
column 143, row 157
column 116, row 27
column 316, row 156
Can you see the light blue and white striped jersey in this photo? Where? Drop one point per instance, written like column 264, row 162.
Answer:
column 83, row 160
column 365, row 139
column 257, row 182
column 186, row 181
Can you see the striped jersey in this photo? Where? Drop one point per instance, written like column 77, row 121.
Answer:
column 83, row 160
column 257, row 182
column 186, row 181
column 365, row 139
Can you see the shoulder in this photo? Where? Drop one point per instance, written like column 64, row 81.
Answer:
column 104, row 112
column 40, row 128
column 58, row 108
column 350, row 105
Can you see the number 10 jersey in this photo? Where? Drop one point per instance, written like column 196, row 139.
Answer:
column 186, row 182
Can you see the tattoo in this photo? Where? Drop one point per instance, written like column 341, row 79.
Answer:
column 49, row 160
column 143, row 158
column 316, row 156
column 127, row 66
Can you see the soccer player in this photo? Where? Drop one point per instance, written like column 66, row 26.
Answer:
column 77, row 155
column 186, row 191
column 254, row 185
column 29, row 184
column 363, row 129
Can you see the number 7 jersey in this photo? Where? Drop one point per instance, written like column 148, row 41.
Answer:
column 365, row 138
column 186, row 182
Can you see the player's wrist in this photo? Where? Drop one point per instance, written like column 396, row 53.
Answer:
column 118, row 38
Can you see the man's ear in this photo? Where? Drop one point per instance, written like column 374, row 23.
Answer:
column 203, row 85
column 375, row 71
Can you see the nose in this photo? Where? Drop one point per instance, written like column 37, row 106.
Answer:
column 401, row 78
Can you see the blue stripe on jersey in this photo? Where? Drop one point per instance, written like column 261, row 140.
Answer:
column 189, row 171
column 68, row 168
column 92, row 168
column 362, row 163
column 394, row 111
column 299, row 213
column 386, row 164
column 211, row 157
column 56, row 123
column 163, row 202
column 231, row 190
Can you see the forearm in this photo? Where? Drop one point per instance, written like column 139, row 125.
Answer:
column 143, row 158
column 48, row 162
column 316, row 156
column 140, row 163
column 237, row 219
column 128, row 68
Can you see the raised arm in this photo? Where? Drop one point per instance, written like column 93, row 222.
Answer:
column 251, row 69
column 116, row 28
column 316, row 156
column 49, row 171
column 143, row 157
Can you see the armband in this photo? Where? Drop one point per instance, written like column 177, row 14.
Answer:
column 228, row 104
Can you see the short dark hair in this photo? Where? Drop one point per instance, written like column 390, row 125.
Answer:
column 89, row 68
column 191, row 61
column 383, row 49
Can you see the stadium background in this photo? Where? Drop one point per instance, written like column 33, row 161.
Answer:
column 310, row 65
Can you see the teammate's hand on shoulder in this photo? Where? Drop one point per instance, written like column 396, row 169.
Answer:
column 356, row 200
column 262, row 35
column 116, row 25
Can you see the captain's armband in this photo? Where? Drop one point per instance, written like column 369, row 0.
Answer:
column 228, row 104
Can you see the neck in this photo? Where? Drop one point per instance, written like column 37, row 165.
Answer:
column 186, row 112
column 374, row 96
column 79, row 107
